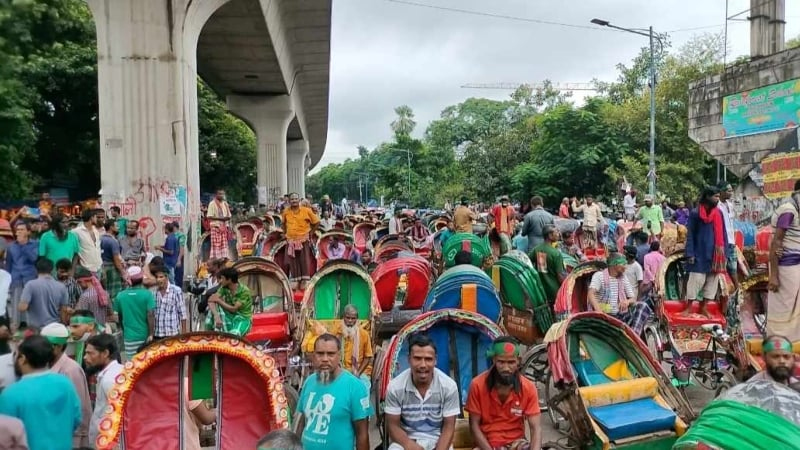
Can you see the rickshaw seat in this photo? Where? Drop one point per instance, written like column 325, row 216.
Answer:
column 628, row 408
column 589, row 374
column 674, row 308
column 273, row 327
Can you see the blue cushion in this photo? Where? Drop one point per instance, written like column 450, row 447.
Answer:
column 635, row 418
column 589, row 374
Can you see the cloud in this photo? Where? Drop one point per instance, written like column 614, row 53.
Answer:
column 385, row 54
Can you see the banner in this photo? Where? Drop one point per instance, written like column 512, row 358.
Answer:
column 780, row 173
column 770, row 108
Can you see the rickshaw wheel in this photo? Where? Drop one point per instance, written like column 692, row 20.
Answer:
column 535, row 368
column 651, row 339
column 291, row 398
column 728, row 381
column 559, row 422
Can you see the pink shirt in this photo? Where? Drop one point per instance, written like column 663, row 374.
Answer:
column 12, row 434
column 652, row 262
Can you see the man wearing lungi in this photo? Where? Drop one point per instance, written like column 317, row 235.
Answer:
column 299, row 223
column 783, row 301
column 219, row 215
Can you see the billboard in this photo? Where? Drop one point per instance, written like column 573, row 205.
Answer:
column 780, row 172
column 770, row 108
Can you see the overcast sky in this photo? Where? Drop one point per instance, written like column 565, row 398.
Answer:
column 387, row 53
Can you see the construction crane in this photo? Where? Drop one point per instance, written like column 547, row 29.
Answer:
column 537, row 85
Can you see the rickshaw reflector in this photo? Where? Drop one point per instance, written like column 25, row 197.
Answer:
column 469, row 297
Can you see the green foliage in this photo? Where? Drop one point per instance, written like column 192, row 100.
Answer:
column 537, row 143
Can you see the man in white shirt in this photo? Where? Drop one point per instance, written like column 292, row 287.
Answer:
column 5, row 289
column 90, row 254
column 629, row 206
column 725, row 206
column 101, row 358
column 326, row 223
column 421, row 402
column 396, row 222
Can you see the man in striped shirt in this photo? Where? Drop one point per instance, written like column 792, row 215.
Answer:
column 170, row 308
column 422, row 402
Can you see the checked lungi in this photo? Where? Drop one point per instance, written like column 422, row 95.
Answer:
column 299, row 262
column 219, row 242
column 112, row 280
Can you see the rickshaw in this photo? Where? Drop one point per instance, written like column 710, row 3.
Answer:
column 465, row 287
column 605, row 390
column 246, row 236
column 402, row 283
column 389, row 246
column 361, row 235
column 274, row 323
column 526, row 314
column 324, row 242
column 470, row 242
column 336, row 285
column 694, row 341
column 462, row 339
column 204, row 243
column 758, row 415
column 148, row 404
column 269, row 238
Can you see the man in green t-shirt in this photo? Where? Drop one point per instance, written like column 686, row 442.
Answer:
column 549, row 263
column 231, row 307
column 135, row 307
column 652, row 217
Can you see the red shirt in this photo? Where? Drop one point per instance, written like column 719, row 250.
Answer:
column 503, row 224
column 502, row 423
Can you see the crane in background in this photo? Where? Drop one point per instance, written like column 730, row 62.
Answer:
column 536, row 85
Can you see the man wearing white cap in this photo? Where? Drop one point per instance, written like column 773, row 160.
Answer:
column 135, row 307
column 652, row 218
column 57, row 334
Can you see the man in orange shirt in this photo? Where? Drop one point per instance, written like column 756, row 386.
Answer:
column 501, row 400
column 299, row 223
column 504, row 221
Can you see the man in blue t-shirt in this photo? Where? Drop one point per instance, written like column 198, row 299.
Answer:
column 334, row 403
column 171, row 250
column 45, row 402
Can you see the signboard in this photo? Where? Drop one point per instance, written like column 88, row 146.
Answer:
column 780, row 172
column 761, row 110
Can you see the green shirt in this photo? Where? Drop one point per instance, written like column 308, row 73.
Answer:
column 181, row 238
column 654, row 215
column 122, row 227
column 550, row 264
column 134, row 304
column 55, row 250
column 242, row 295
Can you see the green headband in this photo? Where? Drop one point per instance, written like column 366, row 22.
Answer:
column 503, row 349
column 617, row 261
column 80, row 320
column 777, row 344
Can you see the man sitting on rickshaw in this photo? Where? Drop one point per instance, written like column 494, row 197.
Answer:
column 501, row 401
column 611, row 293
column 421, row 402
column 357, row 345
column 231, row 306
column 779, row 360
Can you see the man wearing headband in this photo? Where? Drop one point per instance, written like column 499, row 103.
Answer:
column 299, row 224
column 783, row 307
column 611, row 293
column 779, row 360
column 93, row 296
column 421, row 402
column 58, row 335
column 706, row 241
column 501, row 401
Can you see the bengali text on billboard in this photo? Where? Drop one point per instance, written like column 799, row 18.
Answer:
column 770, row 108
column 780, row 172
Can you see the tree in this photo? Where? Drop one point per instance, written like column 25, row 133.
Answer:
column 404, row 124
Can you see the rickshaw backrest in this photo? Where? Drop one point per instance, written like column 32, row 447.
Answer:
column 335, row 291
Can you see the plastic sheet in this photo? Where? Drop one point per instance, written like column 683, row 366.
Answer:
column 769, row 396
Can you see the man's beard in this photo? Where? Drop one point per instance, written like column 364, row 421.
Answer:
column 349, row 332
column 505, row 379
column 779, row 374
column 324, row 376
column 93, row 370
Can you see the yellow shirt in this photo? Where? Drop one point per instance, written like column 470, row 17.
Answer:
column 462, row 219
column 364, row 350
column 298, row 222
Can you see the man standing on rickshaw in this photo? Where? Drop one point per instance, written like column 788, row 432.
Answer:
column 652, row 218
column 299, row 223
column 501, row 401
column 219, row 216
column 611, row 293
column 504, row 220
column 592, row 220
column 783, row 302
column 463, row 217
column 705, row 252
column 421, row 402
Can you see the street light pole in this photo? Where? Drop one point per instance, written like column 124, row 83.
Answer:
column 651, row 174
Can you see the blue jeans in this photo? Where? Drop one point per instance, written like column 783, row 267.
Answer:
column 732, row 263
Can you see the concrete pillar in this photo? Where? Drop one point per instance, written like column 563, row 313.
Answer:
column 147, row 89
column 269, row 117
column 297, row 153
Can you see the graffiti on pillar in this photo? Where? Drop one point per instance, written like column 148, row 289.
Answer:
column 147, row 228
